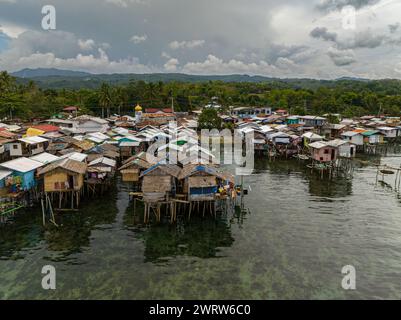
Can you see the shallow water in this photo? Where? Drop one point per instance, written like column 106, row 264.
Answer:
column 292, row 244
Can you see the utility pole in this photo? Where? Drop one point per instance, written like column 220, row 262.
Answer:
column 172, row 104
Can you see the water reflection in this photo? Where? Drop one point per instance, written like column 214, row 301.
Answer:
column 199, row 237
column 21, row 233
column 300, row 233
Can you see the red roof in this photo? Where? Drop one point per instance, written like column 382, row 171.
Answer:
column 6, row 134
column 155, row 110
column 46, row 127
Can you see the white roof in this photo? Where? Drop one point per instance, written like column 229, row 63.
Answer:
column 45, row 158
column 4, row 174
column 259, row 141
column 90, row 118
column 95, row 139
column 60, row 121
column 99, row 135
column 33, row 140
column 278, row 134
column 312, row 118
column 266, row 128
column 11, row 127
column 103, row 160
column 129, row 144
column 281, row 127
column 318, row 145
column 350, row 133
column 387, row 128
column 120, row 130
column 75, row 156
column 311, row 135
column 22, row 164
column 336, row 143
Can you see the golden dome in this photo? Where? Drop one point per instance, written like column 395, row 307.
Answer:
column 138, row 108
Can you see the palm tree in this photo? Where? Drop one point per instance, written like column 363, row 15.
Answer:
column 7, row 82
column 120, row 98
column 105, row 98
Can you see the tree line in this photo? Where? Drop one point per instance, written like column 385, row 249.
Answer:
column 300, row 96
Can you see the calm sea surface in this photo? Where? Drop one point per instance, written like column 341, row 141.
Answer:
column 298, row 233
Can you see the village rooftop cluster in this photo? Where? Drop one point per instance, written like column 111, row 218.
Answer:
column 60, row 161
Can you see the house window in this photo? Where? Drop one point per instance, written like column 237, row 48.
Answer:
column 326, row 151
column 15, row 146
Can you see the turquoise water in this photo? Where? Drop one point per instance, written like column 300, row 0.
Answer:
column 292, row 243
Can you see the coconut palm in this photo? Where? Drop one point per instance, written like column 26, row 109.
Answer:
column 105, row 98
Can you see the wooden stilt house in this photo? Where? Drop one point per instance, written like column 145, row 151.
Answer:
column 65, row 180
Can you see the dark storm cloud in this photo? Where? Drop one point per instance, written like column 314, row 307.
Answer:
column 323, row 33
column 246, row 36
column 329, row 5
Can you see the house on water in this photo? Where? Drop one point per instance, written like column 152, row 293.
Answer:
column 28, row 146
column 373, row 137
column 100, row 169
column 389, row 132
column 354, row 137
column 202, row 182
column 323, row 152
column 64, row 179
column 133, row 167
column 310, row 137
column 159, row 182
column 344, row 148
column 23, row 174
column 312, row 121
column 4, row 174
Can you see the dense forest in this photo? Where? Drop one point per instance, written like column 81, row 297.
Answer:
column 27, row 99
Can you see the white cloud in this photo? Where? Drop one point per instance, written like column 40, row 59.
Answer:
column 171, row 65
column 138, row 39
column 124, row 3
column 214, row 65
column 59, row 49
column 95, row 64
column 175, row 45
column 86, row 45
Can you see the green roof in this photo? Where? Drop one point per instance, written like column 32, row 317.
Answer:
column 370, row 133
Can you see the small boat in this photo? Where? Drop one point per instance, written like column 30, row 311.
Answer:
column 384, row 171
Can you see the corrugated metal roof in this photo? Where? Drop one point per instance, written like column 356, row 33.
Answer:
column 66, row 164
column 45, row 158
column 5, row 174
column 103, row 160
column 22, row 164
column 318, row 145
column 74, row 156
column 33, row 140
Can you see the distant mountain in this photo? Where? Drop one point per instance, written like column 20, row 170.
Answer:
column 351, row 79
column 58, row 79
column 48, row 72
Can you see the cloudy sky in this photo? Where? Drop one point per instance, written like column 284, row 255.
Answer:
column 280, row 38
